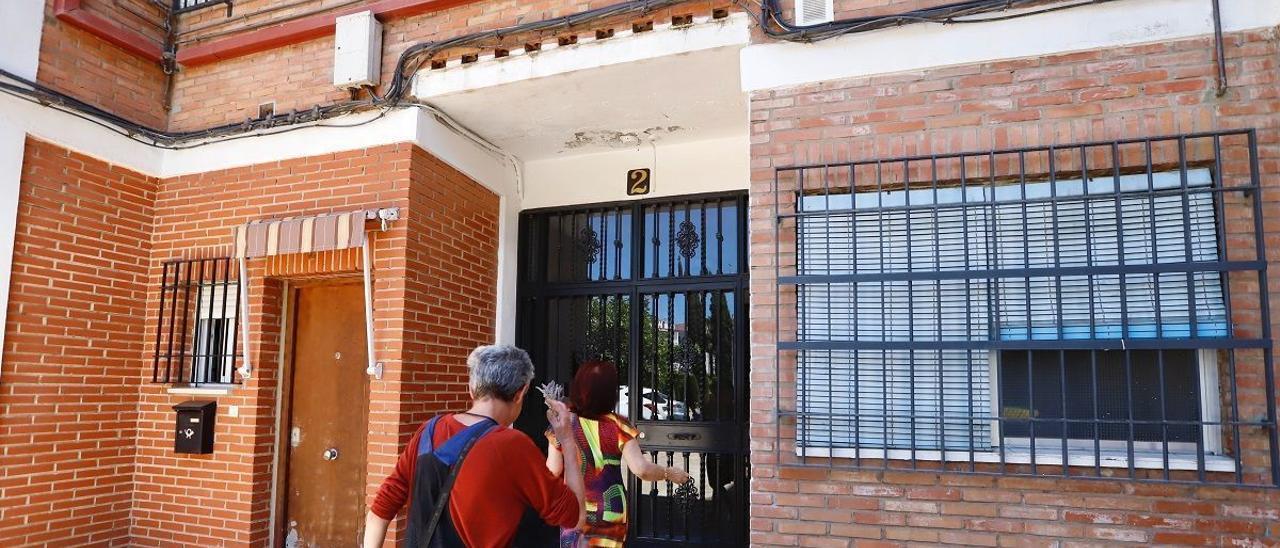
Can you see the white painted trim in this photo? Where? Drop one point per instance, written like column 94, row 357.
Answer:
column 508, row 274
column 624, row 47
column 398, row 126
column 82, row 136
column 205, row 391
column 712, row 165
column 411, row 125
column 21, row 24
column 913, row 47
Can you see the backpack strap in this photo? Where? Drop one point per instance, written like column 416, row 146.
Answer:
column 426, row 443
column 452, row 454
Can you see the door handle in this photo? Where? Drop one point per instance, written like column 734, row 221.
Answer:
column 330, row 454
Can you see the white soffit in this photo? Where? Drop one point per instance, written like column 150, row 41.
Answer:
column 668, row 86
column 927, row 45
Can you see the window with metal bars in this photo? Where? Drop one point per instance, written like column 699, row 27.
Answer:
column 196, row 325
column 1097, row 305
column 182, row 6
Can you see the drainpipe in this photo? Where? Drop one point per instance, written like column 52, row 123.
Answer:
column 1218, row 49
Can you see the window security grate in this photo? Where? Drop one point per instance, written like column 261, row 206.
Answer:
column 196, row 323
column 182, row 6
column 1100, row 305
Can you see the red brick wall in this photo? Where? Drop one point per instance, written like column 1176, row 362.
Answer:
column 450, row 266
column 298, row 76
column 434, row 284
column 73, row 349
column 88, row 438
column 145, row 17
column 224, row 498
column 301, row 75
column 1148, row 90
column 87, row 68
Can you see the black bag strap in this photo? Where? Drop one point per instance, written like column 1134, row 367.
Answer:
column 424, row 540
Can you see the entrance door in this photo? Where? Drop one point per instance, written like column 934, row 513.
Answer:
column 328, row 419
column 659, row 289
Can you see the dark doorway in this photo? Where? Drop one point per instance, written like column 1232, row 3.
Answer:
column 658, row 288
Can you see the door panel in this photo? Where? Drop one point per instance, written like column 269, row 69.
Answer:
column 325, row 505
column 655, row 288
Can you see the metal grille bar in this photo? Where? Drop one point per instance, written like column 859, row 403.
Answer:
column 196, row 322
column 183, row 6
column 657, row 287
column 1089, row 310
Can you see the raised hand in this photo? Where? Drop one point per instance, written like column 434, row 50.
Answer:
column 561, row 420
column 677, row 476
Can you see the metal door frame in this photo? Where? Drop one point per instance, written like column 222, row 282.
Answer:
column 533, row 291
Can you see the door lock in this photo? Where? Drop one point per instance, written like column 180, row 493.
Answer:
column 330, row 454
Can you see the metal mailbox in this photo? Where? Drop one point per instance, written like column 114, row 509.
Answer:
column 195, row 422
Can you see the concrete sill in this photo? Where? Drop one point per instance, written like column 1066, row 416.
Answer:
column 214, row 390
column 1021, row 455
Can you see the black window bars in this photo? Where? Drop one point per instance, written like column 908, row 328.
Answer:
column 1089, row 310
column 196, row 328
column 184, row 6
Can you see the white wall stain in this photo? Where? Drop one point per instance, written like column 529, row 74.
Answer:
column 292, row 540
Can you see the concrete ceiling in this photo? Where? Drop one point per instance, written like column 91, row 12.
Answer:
column 671, row 99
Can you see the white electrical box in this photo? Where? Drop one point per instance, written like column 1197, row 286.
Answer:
column 357, row 50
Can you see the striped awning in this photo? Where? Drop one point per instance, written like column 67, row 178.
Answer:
column 326, row 232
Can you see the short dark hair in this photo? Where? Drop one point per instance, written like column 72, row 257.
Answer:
column 594, row 392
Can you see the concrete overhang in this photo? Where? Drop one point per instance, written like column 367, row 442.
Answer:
column 669, row 85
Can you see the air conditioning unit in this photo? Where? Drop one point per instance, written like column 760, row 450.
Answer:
column 357, row 50
column 815, row 12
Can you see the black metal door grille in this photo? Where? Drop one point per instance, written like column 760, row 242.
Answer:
column 1089, row 310
column 659, row 289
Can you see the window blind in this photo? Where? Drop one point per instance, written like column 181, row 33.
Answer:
column 1050, row 251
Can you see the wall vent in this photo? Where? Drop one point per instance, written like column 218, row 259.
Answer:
column 815, row 12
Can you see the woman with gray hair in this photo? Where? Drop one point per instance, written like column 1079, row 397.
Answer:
column 474, row 464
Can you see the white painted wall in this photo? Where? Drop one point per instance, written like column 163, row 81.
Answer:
column 913, row 47
column 712, row 165
column 21, row 23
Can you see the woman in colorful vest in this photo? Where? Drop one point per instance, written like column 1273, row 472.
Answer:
column 606, row 440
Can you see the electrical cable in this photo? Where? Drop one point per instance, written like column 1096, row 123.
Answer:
column 415, row 57
column 945, row 14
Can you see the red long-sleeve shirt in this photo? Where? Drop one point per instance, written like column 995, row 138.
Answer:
column 502, row 475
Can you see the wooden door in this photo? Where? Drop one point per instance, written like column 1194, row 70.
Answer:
column 328, row 419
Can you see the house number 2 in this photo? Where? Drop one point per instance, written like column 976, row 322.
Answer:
column 638, row 182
